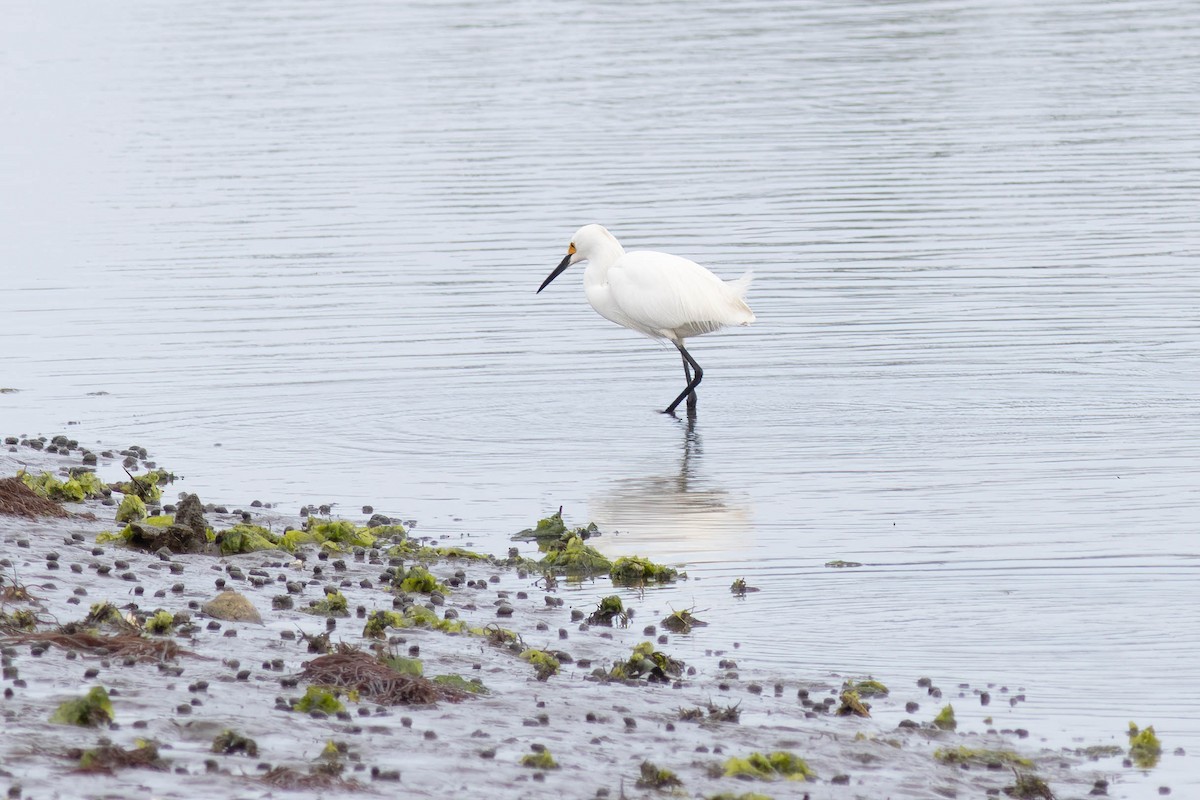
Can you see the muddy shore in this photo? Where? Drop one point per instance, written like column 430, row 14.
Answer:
column 246, row 677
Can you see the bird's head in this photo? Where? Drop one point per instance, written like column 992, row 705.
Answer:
column 587, row 241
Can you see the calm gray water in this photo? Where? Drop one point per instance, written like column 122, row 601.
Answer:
column 310, row 233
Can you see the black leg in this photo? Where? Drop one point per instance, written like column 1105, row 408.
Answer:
column 692, row 383
column 687, row 373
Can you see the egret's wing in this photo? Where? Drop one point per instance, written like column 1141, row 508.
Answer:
column 665, row 294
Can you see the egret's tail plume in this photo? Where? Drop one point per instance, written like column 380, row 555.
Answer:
column 739, row 288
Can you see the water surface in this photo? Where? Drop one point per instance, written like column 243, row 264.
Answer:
column 296, row 246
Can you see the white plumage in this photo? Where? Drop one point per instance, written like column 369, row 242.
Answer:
column 657, row 294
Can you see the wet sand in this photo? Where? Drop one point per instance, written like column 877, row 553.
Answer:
column 244, row 676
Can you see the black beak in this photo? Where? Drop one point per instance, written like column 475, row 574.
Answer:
column 566, row 262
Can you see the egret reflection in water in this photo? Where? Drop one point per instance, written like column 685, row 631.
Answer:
column 676, row 512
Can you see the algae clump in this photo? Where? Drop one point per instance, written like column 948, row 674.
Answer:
column 970, row 755
column 645, row 662
column 740, row 588
column 654, row 777
column 404, row 666
column 146, row 487
column 945, row 719
column 1029, row 787
column 575, row 558
column 638, row 571
column 419, row 580
column 682, row 621
column 75, row 489
column 229, row 742
column 318, row 699
column 421, row 617
column 132, row 509
column 246, row 538
column 545, row 664
column 341, row 532
column 866, row 688
column 539, row 759
column 412, row 616
column 769, row 767
column 474, row 686
column 852, row 705
column 330, row 535
column 552, row 530
column 379, row 621
column 335, row 604
column 90, row 711
column 609, row 610
column 20, row 620
column 109, row 756
column 161, row 622
column 1144, row 746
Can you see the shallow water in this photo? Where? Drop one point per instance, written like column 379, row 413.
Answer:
column 311, row 235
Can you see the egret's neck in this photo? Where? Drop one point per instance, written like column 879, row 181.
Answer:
column 601, row 256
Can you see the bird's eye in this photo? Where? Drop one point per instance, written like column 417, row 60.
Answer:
column 571, row 249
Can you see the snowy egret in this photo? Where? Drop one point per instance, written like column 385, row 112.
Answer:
column 656, row 294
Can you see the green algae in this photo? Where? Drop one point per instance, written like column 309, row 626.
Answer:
column 539, row 759
column 654, row 777
column 473, row 686
column 101, row 614
column 769, row 767
column 412, row 616
column 1144, row 747
column 575, row 559
column 132, row 509
column 379, row 621
column 460, row 553
column 403, row 665
column 644, row 663
column 718, row 713
column 159, row 520
column 1098, row 751
column 553, row 530
column 500, row 637
column 108, row 757
column 609, row 610
column 868, row 687
column 544, row 664
column 19, row 620
column 638, row 571
column 247, row 538
column 420, row 581
column 341, row 532
column 715, row 713
column 682, row 621
column 945, row 719
column 160, row 622
column 839, row 564
column 740, row 588
column 293, row 540
column 146, row 487
column 335, row 604
column 229, row 742
column 318, row 699
column 332, row 535
column 90, row 711
column 973, row 755
column 852, row 705
column 1029, row 787
column 76, row 489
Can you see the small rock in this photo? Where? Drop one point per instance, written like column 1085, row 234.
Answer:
column 232, row 606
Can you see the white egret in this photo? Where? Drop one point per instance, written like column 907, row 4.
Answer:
column 656, row 294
